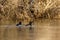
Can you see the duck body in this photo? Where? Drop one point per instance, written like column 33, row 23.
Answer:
column 30, row 25
column 19, row 24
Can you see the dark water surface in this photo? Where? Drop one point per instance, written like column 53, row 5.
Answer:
column 42, row 30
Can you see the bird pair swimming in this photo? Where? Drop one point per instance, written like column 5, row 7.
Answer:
column 20, row 25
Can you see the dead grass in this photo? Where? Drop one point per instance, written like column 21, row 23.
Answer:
column 28, row 10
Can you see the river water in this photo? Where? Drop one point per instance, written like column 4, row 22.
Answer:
column 42, row 30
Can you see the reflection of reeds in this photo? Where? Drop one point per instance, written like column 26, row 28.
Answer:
column 25, row 10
